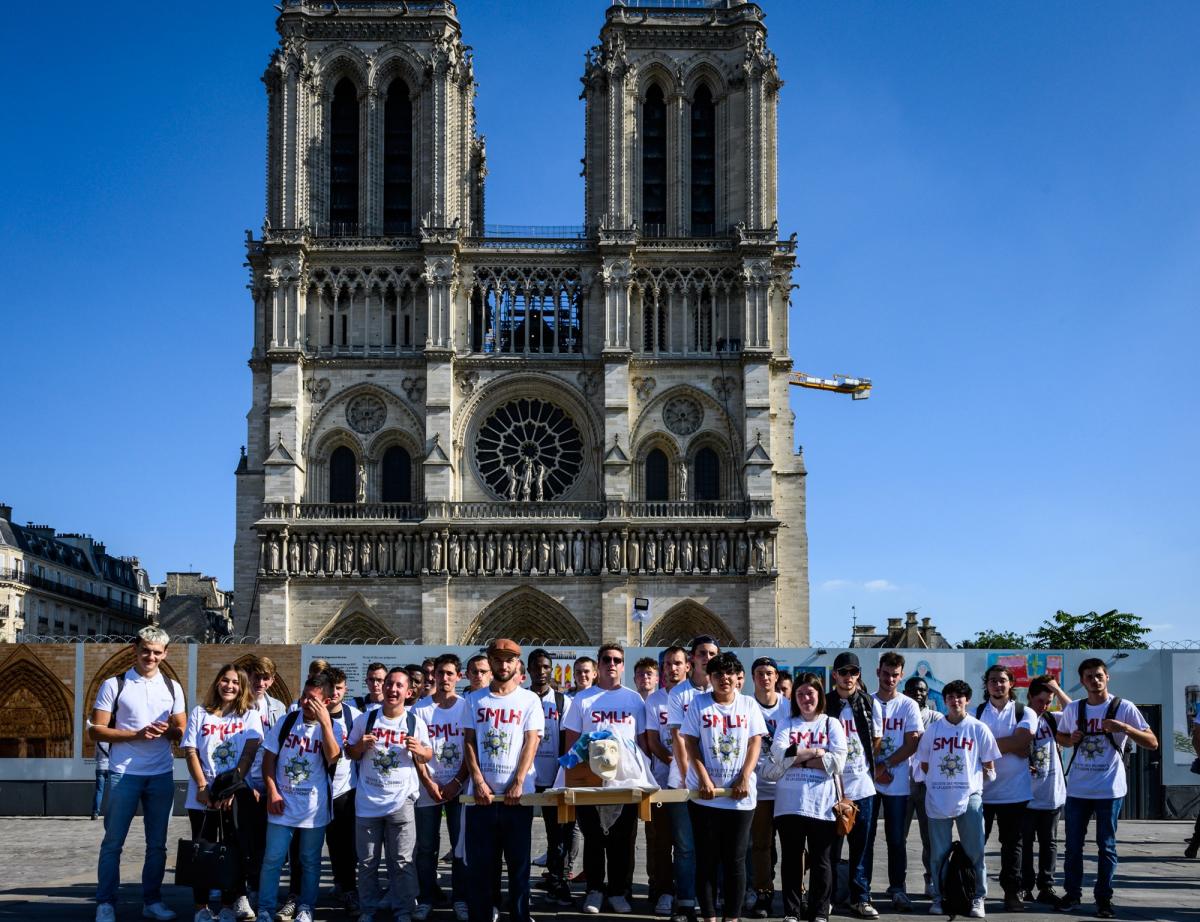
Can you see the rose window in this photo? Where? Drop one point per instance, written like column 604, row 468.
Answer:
column 529, row 450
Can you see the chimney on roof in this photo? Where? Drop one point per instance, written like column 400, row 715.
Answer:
column 910, row 618
column 864, row 629
column 6, row 512
column 925, row 624
column 893, row 624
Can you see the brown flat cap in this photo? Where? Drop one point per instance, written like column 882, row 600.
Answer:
column 505, row 647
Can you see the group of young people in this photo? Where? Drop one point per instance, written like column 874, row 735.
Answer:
column 372, row 780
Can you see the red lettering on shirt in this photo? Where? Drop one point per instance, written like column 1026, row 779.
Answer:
column 497, row 716
column 303, row 743
column 389, row 737
column 952, row 742
column 724, row 722
column 612, row 717
column 893, row 723
column 223, row 729
column 807, row 739
column 444, row 731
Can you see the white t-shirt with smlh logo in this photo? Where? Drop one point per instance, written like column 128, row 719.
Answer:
column 955, row 753
column 142, row 702
column 1013, row 781
column 1097, row 772
column 804, row 791
column 387, row 775
column 1045, row 763
column 270, row 711
column 300, row 775
column 901, row 716
column 724, row 732
column 679, row 699
column 219, row 740
column 500, row 723
column 858, row 777
column 445, row 727
column 620, row 710
column 656, row 722
column 545, row 763
column 772, row 717
column 344, row 776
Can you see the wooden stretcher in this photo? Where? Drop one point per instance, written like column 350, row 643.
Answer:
column 568, row 798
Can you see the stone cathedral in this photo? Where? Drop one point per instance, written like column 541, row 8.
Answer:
column 461, row 430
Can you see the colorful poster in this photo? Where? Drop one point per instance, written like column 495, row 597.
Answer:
column 936, row 668
column 1027, row 666
column 1185, row 694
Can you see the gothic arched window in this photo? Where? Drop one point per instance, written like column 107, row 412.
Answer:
column 396, row 476
column 343, row 475
column 397, row 160
column 654, row 162
column 704, row 163
column 707, row 476
column 657, row 481
column 343, row 159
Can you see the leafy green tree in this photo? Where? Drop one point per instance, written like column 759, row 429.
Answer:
column 1112, row 630
column 995, row 640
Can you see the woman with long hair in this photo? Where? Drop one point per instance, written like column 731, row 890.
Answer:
column 222, row 734
column 808, row 752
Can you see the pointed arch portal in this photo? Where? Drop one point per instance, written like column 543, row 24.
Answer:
column 685, row 621
column 525, row 614
column 36, row 711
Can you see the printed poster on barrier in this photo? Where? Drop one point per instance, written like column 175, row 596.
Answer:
column 1185, row 692
column 936, row 667
column 1028, row 666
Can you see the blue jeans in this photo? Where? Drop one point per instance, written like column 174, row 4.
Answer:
column 429, row 844
column 685, row 854
column 279, row 840
column 493, row 830
column 894, row 808
column 1078, row 813
column 857, row 873
column 101, row 784
column 156, row 795
column 970, row 834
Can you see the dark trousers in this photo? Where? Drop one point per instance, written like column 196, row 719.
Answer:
column 1041, row 825
column 797, row 833
column 557, row 843
column 254, row 820
column 722, row 837
column 916, row 807
column 1010, row 818
column 660, row 871
column 207, row 824
column 856, row 872
column 762, row 847
column 340, row 839
column 894, row 808
column 610, row 852
column 492, row 830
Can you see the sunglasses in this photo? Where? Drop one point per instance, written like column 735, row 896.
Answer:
column 612, row 659
column 848, row 671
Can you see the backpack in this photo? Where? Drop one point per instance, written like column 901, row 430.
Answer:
column 172, row 687
column 1052, row 722
column 559, row 702
column 1020, row 711
column 860, row 707
column 411, row 721
column 957, row 880
column 1081, row 725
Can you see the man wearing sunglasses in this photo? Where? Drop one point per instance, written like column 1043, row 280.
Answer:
column 608, row 705
column 862, row 719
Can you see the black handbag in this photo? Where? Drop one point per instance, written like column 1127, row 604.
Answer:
column 226, row 785
column 205, row 864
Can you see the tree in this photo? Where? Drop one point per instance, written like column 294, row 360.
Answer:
column 995, row 640
column 1112, row 630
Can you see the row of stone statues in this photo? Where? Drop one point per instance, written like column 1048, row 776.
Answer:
column 524, row 552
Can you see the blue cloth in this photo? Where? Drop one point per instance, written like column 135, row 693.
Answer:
column 857, row 873
column 894, row 809
column 493, row 830
column 156, row 796
column 970, row 834
column 1078, row 813
column 429, row 844
column 579, row 752
column 279, row 840
column 685, row 853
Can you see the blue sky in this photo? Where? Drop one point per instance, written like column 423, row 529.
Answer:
column 998, row 214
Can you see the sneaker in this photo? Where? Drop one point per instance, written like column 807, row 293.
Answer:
column 977, row 909
column 421, row 913
column 762, row 904
column 540, row 860
column 935, row 908
column 304, row 914
column 495, row 914
column 106, row 913
column 252, row 898
column 619, row 904
column 1013, row 903
column 561, row 895
column 460, row 911
column 790, row 919
column 901, row 902
column 1105, row 909
column 683, row 914
column 203, row 915
column 242, row 911
column 664, row 905
column 593, row 901
column 350, row 902
column 1067, row 903
column 1189, row 852
column 159, row 910
column 865, row 910
column 287, row 911
column 749, row 899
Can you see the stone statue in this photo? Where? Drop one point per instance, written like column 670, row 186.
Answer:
column 472, row 554
column 722, row 553
column 435, row 553
column 682, row 476
column 365, row 555
column 634, row 554
column 614, row 552
column 541, row 481
column 578, row 553
column 514, row 481
column 362, row 483
column 383, row 561
column 508, row 554
column 760, row 552
column 455, row 553
column 543, row 557
column 314, row 555
column 347, row 554
column 595, row 553
column 560, row 553
column 652, row 553
column 705, row 554
column 527, row 481
column 686, row 553
column 489, row 554
column 294, row 555
column 526, row 553
column 742, row 552
column 330, row 556
column 669, row 554
column 274, row 554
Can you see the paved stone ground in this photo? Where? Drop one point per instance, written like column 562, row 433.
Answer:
column 48, row 871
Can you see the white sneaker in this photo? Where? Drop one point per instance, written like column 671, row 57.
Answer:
column 664, row 905
column 106, row 913
column 749, row 899
column 540, row 860
column 241, row 909
column 159, row 910
column 935, row 908
column 421, row 913
column 460, row 911
column 620, row 904
column 977, row 909
column 865, row 910
column 203, row 915
column 304, row 914
column 593, row 901
column 495, row 914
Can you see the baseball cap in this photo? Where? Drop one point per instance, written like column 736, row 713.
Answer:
column 701, row 639
column 846, row 659
column 504, row 646
column 764, row 661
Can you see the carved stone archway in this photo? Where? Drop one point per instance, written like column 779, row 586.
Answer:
column 685, row 621
column 526, row 614
column 119, row 664
column 36, row 710
column 355, row 621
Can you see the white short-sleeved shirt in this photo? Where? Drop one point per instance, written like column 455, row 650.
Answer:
column 1097, row 772
column 620, row 710
column 344, row 775
column 955, row 753
column 500, row 723
column 901, row 716
column 301, row 776
column 387, row 774
column 1013, row 781
column 545, row 763
column 724, row 732
column 804, row 791
column 678, row 701
column 270, row 711
column 928, row 716
column 858, row 777
column 772, row 717
column 445, row 726
column 142, row 702
column 219, row 740
column 1049, row 787
column 656, row 722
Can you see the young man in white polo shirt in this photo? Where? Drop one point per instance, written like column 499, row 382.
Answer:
column 388, row 742
column 138, row 715
column 1098, row 728
column 1006, row 797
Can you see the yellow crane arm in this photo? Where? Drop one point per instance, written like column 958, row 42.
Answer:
column 857, row 388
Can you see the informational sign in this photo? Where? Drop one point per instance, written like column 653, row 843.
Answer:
column 1185, row 690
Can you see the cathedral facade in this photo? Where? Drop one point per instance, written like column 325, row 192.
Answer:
column 460, row 431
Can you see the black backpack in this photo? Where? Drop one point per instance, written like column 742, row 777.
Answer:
column 861, row 707
column 1081, row 725
column 957, row 880
column 1020, row 714
column 172, row 687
